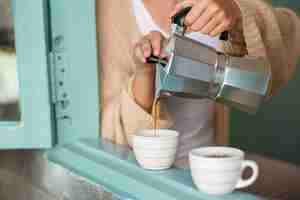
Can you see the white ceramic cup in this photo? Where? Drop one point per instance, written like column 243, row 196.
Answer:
column 155, row 151
column 220, row 175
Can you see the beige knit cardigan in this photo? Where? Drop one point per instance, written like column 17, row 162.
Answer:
column 263, row 31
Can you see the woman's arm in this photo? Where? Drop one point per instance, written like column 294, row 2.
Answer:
column 121, row 115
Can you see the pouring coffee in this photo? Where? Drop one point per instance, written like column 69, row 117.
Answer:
column 194, row 70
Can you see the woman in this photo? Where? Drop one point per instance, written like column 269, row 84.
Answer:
column 130, row 30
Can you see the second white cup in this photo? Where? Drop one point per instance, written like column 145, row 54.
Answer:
column 218, row 170
column 155, row 150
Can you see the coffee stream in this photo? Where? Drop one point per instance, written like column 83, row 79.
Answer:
column 156, row 113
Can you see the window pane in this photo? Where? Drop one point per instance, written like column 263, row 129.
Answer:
column 9, row 85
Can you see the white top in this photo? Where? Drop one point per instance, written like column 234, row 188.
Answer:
column 193, row 117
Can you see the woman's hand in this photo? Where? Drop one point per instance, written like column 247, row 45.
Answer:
column 211, row 17
column 143, row 83
column 149, row 44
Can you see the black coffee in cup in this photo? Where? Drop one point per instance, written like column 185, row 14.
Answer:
column 218, row 156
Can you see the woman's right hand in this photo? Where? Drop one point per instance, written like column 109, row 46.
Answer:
column 149, row 44
column 143, row 84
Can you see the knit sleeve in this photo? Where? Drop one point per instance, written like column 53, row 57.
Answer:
column 260, row 33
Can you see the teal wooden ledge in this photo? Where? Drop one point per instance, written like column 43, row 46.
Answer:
column 115, row 168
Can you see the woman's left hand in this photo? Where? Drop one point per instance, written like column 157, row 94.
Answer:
column 211, row 17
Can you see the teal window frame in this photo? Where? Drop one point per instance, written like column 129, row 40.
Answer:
column 36, row 128
column 80, row 147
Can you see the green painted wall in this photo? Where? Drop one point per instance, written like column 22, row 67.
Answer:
column 275, row 129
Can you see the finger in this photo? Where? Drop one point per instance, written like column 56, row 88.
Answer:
column 195, row 13
column 139, row 54
column 179, row 6
column 146, row 47
column 219, row 29
column 156, row 40
column 213, row 23
column 204, row 19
